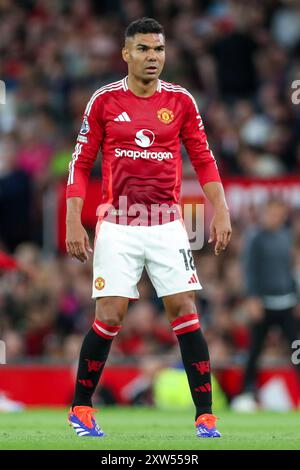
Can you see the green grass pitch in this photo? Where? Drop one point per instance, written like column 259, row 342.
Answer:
column 148, row 429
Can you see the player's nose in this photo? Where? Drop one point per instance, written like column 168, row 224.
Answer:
column 152, row 56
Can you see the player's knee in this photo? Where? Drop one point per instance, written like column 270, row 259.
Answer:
column 111, row 318
column 183, row 306
column 110, row 312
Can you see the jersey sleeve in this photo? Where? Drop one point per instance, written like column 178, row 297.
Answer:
column 89, row 141
column 194, row 139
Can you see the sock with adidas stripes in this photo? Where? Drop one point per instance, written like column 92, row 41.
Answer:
column 93, row 355
column 195, row 358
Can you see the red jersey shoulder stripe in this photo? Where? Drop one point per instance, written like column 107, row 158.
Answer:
column 171, row 84
column 176, row 87
column 124, row 82
column 179, row 89
column 110, row 87
column 75, row 156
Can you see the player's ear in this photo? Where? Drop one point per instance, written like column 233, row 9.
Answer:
column 125, row 54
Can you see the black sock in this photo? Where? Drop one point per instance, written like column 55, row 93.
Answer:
column 195, row 358
column 93, row 355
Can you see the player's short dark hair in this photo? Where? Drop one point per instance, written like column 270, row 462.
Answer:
column 144, row 25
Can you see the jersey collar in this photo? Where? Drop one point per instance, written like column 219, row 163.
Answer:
column 125, row 84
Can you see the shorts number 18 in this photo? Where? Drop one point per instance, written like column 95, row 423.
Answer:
column 188, row 259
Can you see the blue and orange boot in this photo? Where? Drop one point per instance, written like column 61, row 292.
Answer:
column 83, row 421
column 206, row 426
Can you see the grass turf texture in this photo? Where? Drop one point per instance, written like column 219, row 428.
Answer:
column 148, row 429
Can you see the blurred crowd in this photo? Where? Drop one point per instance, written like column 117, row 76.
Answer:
column 237, row 58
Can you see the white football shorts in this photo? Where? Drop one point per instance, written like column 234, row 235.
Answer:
column 122, row 251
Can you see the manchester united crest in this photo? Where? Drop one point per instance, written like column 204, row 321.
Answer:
column 165, row 115
column 99, row 283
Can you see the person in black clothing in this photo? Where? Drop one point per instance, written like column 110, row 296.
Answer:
column 15, row 198
column 270, row 287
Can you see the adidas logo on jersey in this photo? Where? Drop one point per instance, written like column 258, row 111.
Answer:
column 123, row 117
column 193, row 280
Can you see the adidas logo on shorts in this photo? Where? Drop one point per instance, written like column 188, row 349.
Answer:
column 193, row 279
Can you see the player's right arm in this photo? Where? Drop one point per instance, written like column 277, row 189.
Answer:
column 88, row 143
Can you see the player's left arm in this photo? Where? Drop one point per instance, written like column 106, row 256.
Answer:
column 195, row 141
column 220, row 226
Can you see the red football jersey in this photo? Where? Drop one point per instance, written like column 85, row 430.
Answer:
column 140, row 140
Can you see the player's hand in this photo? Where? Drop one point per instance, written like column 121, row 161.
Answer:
column 220, row 230
column 77, row 241
column 255, row 308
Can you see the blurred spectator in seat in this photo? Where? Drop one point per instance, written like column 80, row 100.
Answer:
column 15, row 196
column 14, row 346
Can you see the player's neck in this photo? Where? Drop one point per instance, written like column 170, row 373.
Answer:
column 140, row 88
